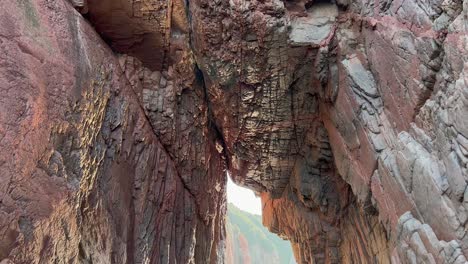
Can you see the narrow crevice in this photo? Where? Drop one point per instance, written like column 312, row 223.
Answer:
column 213, row 127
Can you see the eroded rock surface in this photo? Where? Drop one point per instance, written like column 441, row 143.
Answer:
column 119, row 120
column 87, row 175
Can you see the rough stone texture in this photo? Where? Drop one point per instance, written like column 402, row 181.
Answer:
column 315, row 26
column 359, row 107
column 349, row 121
column 85, row 176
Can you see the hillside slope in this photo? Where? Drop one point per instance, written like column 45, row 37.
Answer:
column 249, row 242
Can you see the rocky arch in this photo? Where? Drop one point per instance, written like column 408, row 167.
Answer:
column 358, row 155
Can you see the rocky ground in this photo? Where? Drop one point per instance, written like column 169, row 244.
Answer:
column 120, row 118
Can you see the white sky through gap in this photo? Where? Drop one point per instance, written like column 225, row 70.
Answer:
column 243, row 198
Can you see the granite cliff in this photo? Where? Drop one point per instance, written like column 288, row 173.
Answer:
column 120, row 118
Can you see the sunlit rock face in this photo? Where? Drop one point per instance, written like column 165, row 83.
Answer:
column 120, row 118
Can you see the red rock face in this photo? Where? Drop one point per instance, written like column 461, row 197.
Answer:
column 117, row 127
column 87, row 175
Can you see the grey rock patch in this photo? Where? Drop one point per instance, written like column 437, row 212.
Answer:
column 315, row 27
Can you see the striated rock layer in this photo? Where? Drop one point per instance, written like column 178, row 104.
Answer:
column 91, row 170
column 120, row 118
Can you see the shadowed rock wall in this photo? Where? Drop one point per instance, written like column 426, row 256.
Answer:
column 88, row 175
column 347, row 118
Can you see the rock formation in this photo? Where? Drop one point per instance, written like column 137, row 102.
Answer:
column 120, row 118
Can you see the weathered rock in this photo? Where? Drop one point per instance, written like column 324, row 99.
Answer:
column 85, row 178
column 315, row 27
column 349, row 121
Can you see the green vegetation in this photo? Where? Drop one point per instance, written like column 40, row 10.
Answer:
column 261, row 242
